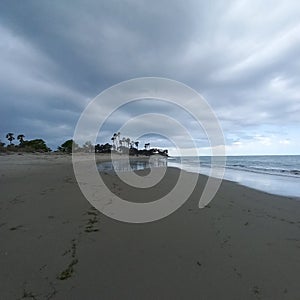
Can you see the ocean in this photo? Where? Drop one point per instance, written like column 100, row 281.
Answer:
column 275, row 174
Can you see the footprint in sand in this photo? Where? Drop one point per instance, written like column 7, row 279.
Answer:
column 16, row 227
column 16, row 200
column 92, row 221
column 256, row 290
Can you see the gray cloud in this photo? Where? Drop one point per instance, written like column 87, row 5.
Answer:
column 242, row 56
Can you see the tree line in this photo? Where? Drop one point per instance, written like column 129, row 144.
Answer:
column 35, row 145
column 120, row 145
column 125, row 145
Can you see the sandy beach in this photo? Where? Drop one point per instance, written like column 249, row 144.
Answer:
column 54, row 245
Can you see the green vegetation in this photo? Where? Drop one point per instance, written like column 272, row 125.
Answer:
column 127, row 146
column 38, row 145
column 10, row 137
column 1, row 145
column 119, row 145
column 21, row 138
column 68, row 146
column 35, row 145
column 103, row 148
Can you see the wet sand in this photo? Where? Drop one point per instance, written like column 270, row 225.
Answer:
column 54, row 245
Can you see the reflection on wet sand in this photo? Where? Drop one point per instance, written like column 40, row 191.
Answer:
column 132, row 164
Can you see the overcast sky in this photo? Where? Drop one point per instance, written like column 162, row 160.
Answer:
column 242, row 56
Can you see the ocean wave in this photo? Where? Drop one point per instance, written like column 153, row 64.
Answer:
column 265, row 170
column 287, row 166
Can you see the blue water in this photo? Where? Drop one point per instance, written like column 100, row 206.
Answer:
column 273, row 174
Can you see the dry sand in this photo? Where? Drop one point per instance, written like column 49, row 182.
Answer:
column 54, row 245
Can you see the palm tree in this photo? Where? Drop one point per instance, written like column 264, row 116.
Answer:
column 137, row 145
column 21, row 138
column 128, row 142
column 147, row 146
column 118, row 136
column 10, row 137
column 113, row 142
column 116, row 140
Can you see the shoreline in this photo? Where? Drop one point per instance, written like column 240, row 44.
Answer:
column 243, row 245
column 262, row 173
column 256, row 181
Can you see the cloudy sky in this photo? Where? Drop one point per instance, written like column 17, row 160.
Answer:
column 242, row 56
